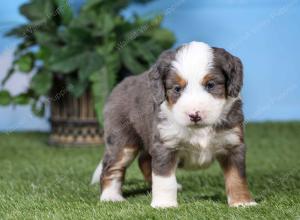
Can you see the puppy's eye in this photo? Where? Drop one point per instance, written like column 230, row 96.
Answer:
column 177, row 89
column 210, row 85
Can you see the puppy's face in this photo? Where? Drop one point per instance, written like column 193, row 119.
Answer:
column 197, row 81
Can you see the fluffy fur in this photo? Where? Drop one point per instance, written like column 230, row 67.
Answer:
column 184, row 112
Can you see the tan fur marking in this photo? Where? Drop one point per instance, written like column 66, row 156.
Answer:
column 117, row 170
column 219, row 90
column 206, row 79
column 145, row 167
column 180, row 81
column 177, row 81
column 236, row 186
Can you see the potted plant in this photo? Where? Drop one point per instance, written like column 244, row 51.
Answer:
column 76, row 59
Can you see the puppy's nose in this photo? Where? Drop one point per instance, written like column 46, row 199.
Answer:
column 195, row 117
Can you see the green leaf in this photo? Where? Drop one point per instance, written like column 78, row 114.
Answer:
column 107, row 48
column 91, row 3
column 7, row 76
column 131, row 62
column 100, row 91
column 111, row 62
column 91, row 63
column 25, row 63
column 105, row 23
column 69, row 60
column 5, row 98
column 76, row 87
column 77, row 35
column 18, row 31
column 113, row 65
column 43, row 53
column 164, row 37
column 140, row 48
column 64, row 10
column 38, row 108
column 46, row 39
column 23, row 47
column 37, row 10
column 82, row 50
column 21, row 99
column 41, row 83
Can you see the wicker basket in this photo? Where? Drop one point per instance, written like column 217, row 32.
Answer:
column 73, row 120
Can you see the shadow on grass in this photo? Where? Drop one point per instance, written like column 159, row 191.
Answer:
column 218, row 198
column 211, row 187
column 136, row 187
column 137, row 192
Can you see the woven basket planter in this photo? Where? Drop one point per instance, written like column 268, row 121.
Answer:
column 73, row 120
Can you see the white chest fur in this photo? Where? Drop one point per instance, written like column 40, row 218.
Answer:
column 197, row 147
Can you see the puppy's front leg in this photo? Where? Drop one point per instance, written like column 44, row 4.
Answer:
column 233, row 165
column 164, row 184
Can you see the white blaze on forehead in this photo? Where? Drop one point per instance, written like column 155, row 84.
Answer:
column 193, row 61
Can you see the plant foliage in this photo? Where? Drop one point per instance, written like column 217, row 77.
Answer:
column 90, row 50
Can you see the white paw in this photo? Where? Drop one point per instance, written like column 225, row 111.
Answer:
column 243, row 204
column 111, row 197
column 179, row 187
column 164, row 204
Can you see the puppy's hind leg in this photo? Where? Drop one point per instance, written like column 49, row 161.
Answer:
column 145, row 166
column 113, row 172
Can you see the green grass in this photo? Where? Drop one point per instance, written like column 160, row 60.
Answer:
column 42, row 182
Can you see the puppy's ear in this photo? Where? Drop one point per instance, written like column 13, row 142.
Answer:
column 232, row 68
column 158, row 74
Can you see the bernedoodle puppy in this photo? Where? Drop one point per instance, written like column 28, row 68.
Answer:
column 186, row 111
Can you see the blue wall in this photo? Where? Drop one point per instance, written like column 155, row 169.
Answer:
column 264, row 34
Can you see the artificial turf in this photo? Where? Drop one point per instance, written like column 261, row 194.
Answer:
column 42, row 182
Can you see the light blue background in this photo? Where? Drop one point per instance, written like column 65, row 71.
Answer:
column 264, row 34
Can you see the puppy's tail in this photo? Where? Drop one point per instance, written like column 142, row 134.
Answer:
column 97, row 174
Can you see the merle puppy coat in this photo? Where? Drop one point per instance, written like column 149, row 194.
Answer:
column 185, row 111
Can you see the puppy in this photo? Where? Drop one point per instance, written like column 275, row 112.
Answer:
column 185, row 111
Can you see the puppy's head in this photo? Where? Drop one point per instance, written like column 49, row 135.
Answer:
column 196, row 82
